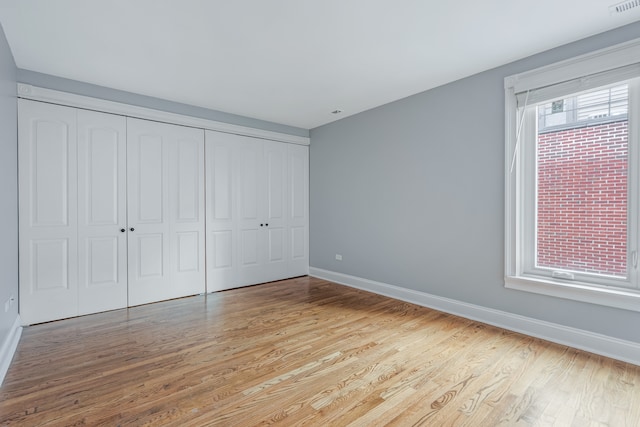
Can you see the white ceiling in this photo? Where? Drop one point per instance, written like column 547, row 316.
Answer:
column 289, row 61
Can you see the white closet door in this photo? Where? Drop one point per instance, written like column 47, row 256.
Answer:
column 274, row 211
column 102, row 248
column 48, row 212
column 165, row 211
column 251, row 197
column 298, row 210
column 186, row 210
column 257, row 219
column 147, row 208
column 261, row 191
column 221, row 151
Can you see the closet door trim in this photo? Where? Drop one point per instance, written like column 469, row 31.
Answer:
column 36, row 93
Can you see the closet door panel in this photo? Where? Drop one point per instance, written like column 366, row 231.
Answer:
column 298, row 210
column 50, row 265
column 222, row 254
column 149, row 257
column 188, row 173
column 251, row 183
column 275, row 172
column 221, row 152
column 102, row 250
column 186, row 202
column 275, row 251
column 149, row 161
column 251, row 191
column 147, row 209
column 165, row 210
column 48, row 215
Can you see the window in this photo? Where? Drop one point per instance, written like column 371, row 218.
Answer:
column 572, row 169
column 583, row 109
column 581, row 192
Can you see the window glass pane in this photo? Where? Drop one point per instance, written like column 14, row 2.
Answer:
column 582, row 183
column 585, row 108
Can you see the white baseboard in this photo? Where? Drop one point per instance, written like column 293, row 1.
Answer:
column 626, row 351
column 9, row 347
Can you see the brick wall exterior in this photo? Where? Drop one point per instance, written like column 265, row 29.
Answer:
column 582, row 199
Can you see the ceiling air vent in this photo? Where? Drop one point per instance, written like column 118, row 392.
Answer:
column 625, row 6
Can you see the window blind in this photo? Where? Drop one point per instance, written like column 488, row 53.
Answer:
column 559, row 90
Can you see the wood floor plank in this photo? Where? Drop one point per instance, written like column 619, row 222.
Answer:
column 305, row 352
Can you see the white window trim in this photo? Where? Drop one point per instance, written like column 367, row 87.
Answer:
column 612, row 297
column 617, row 56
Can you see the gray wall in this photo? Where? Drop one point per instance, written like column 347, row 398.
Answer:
column 87, row 89
column 412, row 194
column 8, row 188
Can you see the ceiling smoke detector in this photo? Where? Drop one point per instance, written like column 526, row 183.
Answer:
column 625, row 6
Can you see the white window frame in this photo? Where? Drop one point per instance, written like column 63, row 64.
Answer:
column 518, row 164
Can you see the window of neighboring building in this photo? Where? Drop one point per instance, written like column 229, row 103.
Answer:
column 584, row 109
column 573, row 162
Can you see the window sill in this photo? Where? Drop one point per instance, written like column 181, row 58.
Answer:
column 627, row 299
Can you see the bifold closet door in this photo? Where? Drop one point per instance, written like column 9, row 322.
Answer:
column 73, row 255
column 247, row 239
column 102, row 212
column 48, row 245
column 165, row 176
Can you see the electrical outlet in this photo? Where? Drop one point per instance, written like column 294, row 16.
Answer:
column 338, row 257
column 8, row 304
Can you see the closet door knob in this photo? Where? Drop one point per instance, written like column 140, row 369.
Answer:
column 261, row 225
column 267, row 225
column 122, row 230
column 132, row 229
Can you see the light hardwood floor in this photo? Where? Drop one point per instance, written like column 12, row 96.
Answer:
column 305, row 352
